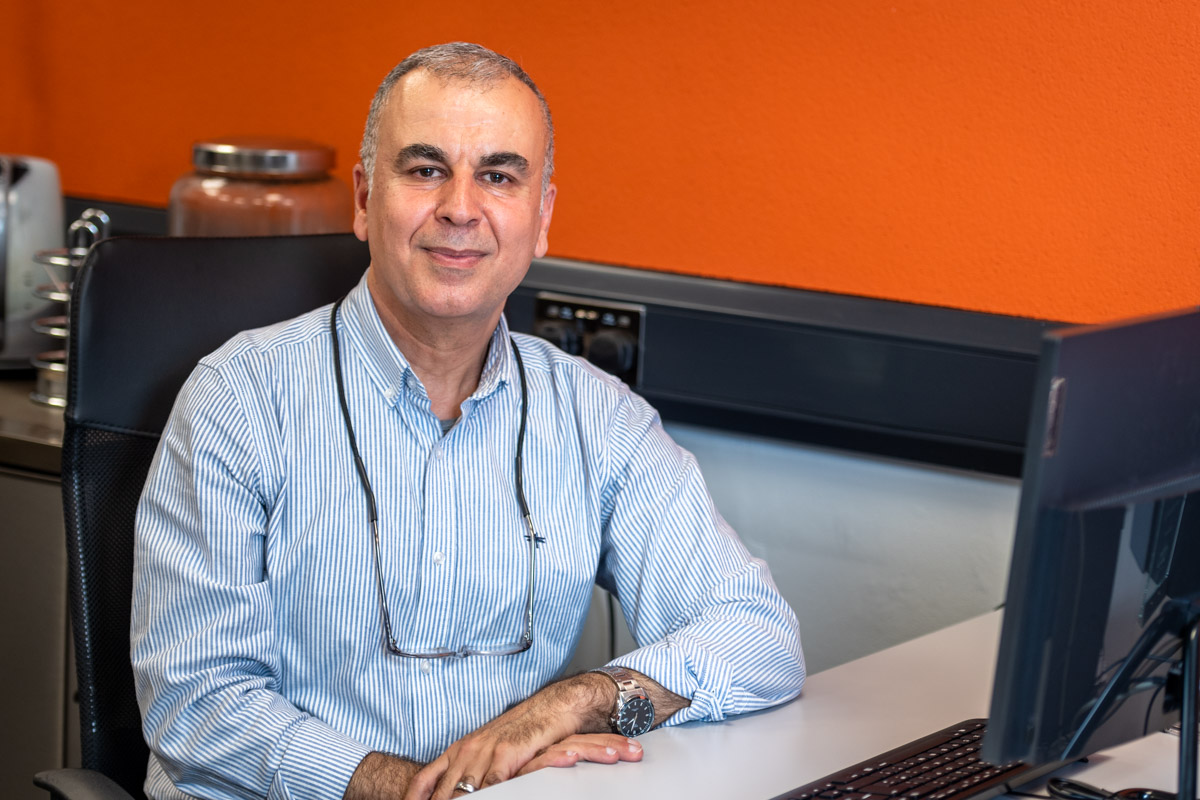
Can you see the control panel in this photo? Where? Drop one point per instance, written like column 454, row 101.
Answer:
column 605, row 332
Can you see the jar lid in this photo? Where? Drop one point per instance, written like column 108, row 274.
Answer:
column 260, row 155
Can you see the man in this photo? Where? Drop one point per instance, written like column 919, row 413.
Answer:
column 293, row 638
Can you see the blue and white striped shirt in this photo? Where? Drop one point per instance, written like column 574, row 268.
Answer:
column 256, row 635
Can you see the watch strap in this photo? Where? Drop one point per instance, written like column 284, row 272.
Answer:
column 625, row 681
column 628, row 689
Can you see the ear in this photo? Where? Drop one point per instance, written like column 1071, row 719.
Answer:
column 543, row 243
column 361, row 193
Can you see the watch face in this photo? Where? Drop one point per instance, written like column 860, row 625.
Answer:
column 636, row 717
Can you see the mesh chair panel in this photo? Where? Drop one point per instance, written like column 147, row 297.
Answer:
column 107, row 471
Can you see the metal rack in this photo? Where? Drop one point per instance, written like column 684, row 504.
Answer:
column 60, row 265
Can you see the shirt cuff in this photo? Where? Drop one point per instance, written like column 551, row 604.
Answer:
column 689, row 673
column 318, row 764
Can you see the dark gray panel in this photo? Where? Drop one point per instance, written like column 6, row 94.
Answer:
column 838, row 377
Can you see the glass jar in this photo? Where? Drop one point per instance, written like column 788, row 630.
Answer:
column 259, row 186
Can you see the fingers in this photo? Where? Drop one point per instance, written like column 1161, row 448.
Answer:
column 452, row 782
column 607, row 748
column 475, row 764
column 440, row 779
column 461, row 786
column 487, row 756
column 474, row 761
column 601, row 748
column 437, row 784
column 423, row 784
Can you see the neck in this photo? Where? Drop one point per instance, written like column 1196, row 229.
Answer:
column 448, row 357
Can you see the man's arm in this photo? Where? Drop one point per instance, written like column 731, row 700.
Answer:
column 203, row 648
column 711, row 625
column 381, row 776
column 563, row 723
column 665, row 704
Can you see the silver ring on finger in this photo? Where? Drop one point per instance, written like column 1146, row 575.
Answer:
column 463, row 786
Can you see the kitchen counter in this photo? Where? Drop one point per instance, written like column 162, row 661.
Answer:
column 30, row 434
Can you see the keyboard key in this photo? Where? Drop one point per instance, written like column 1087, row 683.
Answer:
column 877, row 788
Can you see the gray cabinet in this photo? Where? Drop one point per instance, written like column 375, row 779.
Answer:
column 40, row 727
column 36, row 676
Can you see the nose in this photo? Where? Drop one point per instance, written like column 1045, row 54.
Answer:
column 459, row 201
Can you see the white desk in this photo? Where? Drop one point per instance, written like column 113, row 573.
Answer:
column 844, row 715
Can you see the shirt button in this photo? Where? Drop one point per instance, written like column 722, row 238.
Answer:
column 390, row 394
column 411, row 383
column 438, row 558
column 426, row 667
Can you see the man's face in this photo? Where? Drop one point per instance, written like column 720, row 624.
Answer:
column 455, row 213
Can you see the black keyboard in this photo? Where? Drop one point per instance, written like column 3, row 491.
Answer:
column 942, row 766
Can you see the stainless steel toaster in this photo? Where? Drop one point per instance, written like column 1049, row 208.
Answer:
column 31, row 219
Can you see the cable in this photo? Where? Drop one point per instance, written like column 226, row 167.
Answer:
column 1064, row 789
column 1150, row 708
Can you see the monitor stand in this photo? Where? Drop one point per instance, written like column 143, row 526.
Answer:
column 1179, row 617
column 1188, row 722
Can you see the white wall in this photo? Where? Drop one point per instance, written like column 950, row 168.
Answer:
column 869, row 552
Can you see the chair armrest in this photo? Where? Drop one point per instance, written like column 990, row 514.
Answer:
column 79, row 784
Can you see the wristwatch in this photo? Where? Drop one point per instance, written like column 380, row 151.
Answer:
column 633, row 714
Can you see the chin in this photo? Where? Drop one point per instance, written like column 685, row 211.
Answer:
column 457, row 311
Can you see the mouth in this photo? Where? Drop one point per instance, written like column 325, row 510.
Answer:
column 455, row 257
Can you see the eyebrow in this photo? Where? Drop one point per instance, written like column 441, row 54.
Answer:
column 514, row 161
column 421, row 151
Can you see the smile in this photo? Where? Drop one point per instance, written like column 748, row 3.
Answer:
column 451, row 257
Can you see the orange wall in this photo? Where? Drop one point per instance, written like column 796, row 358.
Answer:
column 1030, row 157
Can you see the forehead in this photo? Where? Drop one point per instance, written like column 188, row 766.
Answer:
column 463, row 117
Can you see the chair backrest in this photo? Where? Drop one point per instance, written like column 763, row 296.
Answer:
column 143, row 312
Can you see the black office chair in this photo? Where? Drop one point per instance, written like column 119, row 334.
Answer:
column 143, row 312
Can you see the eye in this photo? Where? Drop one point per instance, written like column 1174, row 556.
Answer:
column 496, row 178
column 426, row 172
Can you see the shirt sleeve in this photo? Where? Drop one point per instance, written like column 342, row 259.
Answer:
column 203, row 649
column 710, row 624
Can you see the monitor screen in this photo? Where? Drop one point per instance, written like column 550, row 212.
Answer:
column 1108, row 535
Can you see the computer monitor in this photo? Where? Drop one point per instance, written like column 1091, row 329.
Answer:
column 1105, row 571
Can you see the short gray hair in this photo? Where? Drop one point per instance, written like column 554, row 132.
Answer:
column 461, row 61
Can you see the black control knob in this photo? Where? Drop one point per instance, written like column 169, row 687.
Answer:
column 613, row 351
column 563, row 335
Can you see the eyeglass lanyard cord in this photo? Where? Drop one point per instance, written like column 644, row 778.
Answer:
column 361, row 469
column 519, row 470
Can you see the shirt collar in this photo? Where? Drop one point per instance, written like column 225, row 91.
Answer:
column 390, row 370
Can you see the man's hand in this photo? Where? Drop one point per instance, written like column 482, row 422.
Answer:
column 564, row 723
column 602, row 748
column 498, row 750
